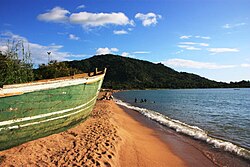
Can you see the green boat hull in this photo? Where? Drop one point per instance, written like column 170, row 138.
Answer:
column 37, row 114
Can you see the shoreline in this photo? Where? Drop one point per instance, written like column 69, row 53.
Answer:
column 112, row 136
column 141, row 146
column 195, row 125
column 189, row 154
column 193, row 152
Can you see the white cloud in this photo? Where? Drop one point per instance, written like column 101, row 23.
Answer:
column 229, row 26
column 120, row 32
column 114, row 49
column 194, row 64
column 222, row 50
column 148, row 19
column 38, row 51
column 99, row 19
column 226, row 26
column 3, row 48
column 202, row 37
column 185, row 36
column 141, row 52
column 188, row 47
column 178, row 52
column 86, row 19
column 245, row 65
column 203, row 44
column 197, row 36
column 192, row 48
column 125, row 54
column 194, row 43
column 73, row 37
column 10, row 35
column 206, row 37
column 57, row 15
column 103, row 51
column 80, row 7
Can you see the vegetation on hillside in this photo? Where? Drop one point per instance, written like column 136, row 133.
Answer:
column 128, row 73
column 122, row 72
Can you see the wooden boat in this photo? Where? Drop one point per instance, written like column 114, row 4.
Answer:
column 37, row 109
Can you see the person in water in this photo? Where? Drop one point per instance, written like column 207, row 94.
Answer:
column 135, row 100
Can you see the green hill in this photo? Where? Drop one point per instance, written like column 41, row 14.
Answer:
column 129, row 73
column 122, row 72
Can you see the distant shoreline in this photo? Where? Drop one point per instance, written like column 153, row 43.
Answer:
column 119, row 90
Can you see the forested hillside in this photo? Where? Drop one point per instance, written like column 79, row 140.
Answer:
column 122, row 73
column 128, row 73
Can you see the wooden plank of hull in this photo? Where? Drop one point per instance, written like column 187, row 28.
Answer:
column 46, row 101
column 16, row 136
column 41, row 113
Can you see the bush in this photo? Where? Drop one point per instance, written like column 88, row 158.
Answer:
column 15, row 64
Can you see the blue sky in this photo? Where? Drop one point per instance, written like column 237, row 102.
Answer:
column 210, row 38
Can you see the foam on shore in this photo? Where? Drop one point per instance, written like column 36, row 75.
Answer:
column 189, row 130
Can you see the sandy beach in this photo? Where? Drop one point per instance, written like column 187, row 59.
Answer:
column 111, row 136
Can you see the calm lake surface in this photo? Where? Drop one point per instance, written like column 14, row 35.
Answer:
column 220, row 113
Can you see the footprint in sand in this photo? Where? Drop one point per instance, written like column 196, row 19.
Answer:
column 107, row 164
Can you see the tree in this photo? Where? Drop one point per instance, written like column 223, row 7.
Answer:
column 54, row 69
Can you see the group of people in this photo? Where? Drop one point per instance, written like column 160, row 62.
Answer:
column 107, row 96
column 142, row 100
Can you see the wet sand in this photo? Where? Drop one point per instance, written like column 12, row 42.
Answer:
column 112, row 136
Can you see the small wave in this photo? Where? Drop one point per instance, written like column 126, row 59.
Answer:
column 189, row 130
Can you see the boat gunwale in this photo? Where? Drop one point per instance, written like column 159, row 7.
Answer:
column 19, row 89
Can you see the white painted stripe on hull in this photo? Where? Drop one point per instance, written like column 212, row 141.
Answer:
column 43, row 115
column 49, row 85
column 43, row 121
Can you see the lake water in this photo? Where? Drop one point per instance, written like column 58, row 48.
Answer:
column 220, row 117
